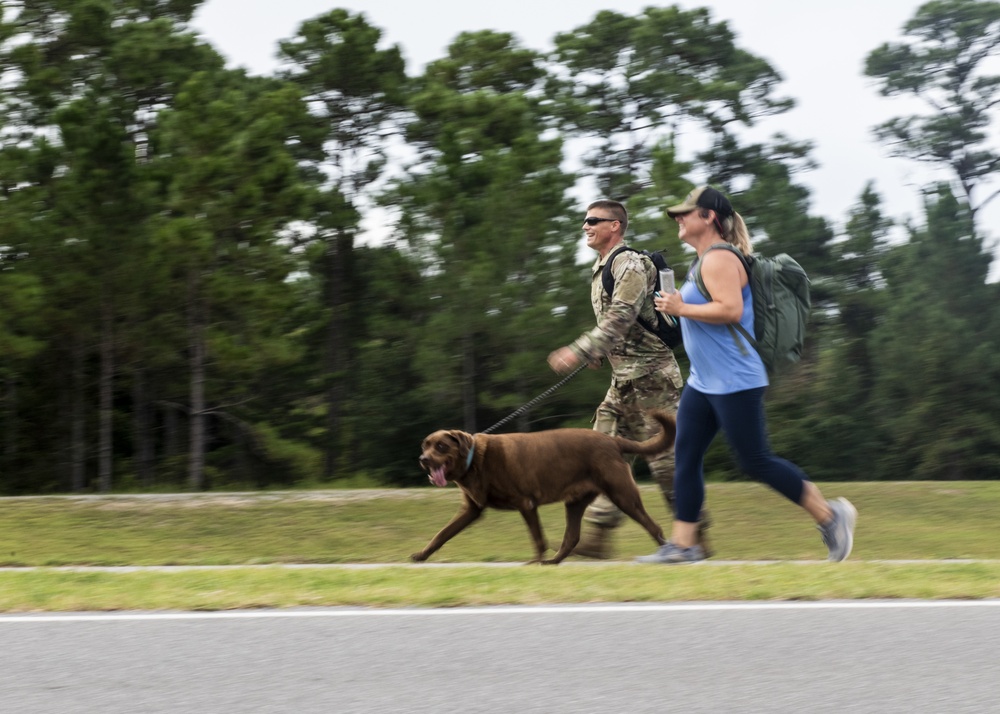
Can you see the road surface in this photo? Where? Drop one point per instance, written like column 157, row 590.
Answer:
column 858, row 657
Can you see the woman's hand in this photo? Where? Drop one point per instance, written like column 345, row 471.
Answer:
column 669, row 303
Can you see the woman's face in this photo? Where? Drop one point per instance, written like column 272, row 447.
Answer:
column 692, row 226
column 687, row 225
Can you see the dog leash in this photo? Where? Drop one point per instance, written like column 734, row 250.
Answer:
column 537, row 399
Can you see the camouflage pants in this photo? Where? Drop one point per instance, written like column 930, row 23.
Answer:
column 624, row 413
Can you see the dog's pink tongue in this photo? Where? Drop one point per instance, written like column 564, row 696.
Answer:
column 437, row 476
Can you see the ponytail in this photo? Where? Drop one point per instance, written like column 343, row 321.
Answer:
column 734, row 230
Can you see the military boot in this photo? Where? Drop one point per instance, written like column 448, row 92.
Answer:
column 595, row 542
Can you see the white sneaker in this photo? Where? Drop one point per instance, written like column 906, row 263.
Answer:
column 670, row 554
column 838, row 534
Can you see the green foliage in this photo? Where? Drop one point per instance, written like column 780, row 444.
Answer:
column 944, row 62
column 231, row 186
column 627, row 82
column 483, row 211
column 936, row 352
column 191, row 306
column 355, row 91
column 22, row 296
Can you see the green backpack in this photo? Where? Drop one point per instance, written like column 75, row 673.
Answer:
column 781, row 304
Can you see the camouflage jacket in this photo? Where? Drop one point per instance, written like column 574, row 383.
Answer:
column 632, row 350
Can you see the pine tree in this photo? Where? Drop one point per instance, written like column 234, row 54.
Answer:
column 935, row 353
column 484, row 210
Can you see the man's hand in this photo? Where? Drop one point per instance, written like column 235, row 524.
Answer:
column 563, row 360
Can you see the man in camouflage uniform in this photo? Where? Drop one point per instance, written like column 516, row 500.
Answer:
column 644, row 373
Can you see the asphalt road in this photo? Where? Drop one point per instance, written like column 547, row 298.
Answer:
column 856, row 657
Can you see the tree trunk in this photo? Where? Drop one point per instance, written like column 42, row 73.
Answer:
column 105, row 445
column 469, row 382
column 77, row 442
column 336, row 268
column 142, row 436
column 196, row 348
column 7, row 463
column 171, row 431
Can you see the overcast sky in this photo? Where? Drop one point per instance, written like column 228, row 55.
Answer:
column 818, row 47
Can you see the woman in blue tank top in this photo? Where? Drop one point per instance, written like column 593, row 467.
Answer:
column 725, row 390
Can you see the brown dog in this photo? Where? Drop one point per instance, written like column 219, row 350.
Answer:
column 523, row 471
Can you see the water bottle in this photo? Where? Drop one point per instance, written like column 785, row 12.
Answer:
column 667, row 286
column 667, row 281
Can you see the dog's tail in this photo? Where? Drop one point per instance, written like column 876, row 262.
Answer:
column 658, row 444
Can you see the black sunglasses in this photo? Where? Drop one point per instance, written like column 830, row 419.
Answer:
column 594, row 220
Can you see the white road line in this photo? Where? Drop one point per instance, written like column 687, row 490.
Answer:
column 498, row 610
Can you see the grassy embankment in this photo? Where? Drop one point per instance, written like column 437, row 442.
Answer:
column 898, row 521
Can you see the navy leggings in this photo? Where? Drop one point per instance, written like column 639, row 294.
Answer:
column 741, row 418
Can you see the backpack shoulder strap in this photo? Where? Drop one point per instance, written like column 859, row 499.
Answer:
column 696, row 268
column 607, row 279
column 734, row 327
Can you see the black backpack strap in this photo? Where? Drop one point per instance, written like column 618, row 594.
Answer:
column 607, row 279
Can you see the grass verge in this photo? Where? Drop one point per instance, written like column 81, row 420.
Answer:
column 898, row 521
column 47, row 590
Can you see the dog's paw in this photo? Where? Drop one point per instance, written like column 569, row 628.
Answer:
column 418, row 557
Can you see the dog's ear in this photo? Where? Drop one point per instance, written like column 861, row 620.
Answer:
column 463, row 440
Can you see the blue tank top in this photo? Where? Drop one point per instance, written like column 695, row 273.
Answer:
column 718, row 366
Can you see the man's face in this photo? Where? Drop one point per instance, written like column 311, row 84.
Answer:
column 604, row 230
